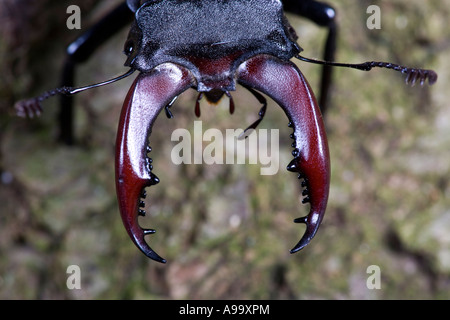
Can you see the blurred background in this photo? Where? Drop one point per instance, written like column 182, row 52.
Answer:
column 226, row 230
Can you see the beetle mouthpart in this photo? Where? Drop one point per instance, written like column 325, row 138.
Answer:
column 147, row 97
column 232, row 107
column 197, row 105
column 312, row 225
column 314, row 218
column 129, row 188
column 285, row 84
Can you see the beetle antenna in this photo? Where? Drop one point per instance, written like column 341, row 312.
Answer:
column 32, row 107
column 412, row 74
column 104, row 83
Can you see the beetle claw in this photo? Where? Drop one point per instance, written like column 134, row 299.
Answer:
column 312, row 222
column 313, row 195
column 149, row 231
column 134, row 167
column 301, row 220
column 285, row 84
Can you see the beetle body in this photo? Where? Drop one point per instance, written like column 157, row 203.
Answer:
column 211, row 46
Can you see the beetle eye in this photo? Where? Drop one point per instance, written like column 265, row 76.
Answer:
column 129, row 48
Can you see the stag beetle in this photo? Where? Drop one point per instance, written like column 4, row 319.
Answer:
column 211, row 46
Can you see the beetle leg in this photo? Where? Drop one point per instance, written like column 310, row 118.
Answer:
column 149, row 94
column 285, row 84
column 261, row 112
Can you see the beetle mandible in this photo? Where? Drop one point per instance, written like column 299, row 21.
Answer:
column 211, row 46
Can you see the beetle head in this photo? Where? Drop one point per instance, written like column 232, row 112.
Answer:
column 133, row 44
column 208, row 37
